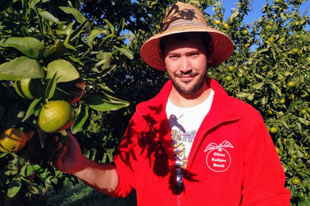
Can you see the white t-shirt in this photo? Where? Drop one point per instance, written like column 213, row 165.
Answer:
column 184, row 123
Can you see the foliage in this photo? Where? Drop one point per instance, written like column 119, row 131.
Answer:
column 59, row 51
column 269, row 69
column 81, row 195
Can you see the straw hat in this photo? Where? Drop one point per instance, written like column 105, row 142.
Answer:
column 180, row 18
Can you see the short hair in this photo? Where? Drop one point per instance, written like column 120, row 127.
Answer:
column 205, row 38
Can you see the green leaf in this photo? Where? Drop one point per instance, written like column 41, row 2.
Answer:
column 124, row 50
column 258, row 85
column 110, row 26
column 29, row 46
column 76, row 33
column 14, row 187
column 33, row 188
column 48, row 16
column 103, row 102
column 105, row 58
column 21, row 68
column 304, row 121
column 77, row 15
column 31, row 109
column 3, row 154
column 65, row 70
column 57, row 50
column 80, row 120
column 51, row 87
column 93, row 34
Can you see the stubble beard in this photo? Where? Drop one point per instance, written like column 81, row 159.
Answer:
column 196, row 87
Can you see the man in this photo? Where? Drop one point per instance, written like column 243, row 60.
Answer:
column 192, row 144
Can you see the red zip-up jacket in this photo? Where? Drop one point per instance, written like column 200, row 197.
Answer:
column 232, row 160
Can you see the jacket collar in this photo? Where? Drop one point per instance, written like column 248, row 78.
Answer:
column 219, row 111
column 155, row 110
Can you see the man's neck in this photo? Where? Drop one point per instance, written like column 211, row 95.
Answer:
column 189, row 100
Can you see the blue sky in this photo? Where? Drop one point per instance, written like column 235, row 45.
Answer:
column 257, row 7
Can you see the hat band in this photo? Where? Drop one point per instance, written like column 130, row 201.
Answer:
column 182, row 22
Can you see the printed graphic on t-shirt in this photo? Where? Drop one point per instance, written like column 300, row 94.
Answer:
column 182, row 140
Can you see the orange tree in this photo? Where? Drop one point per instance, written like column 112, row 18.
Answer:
column 270, row 70
column 50, row 54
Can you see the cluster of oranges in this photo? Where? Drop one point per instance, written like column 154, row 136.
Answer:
column 55, row 116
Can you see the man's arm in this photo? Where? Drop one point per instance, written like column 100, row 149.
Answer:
column 264, row 177
column 69, row 159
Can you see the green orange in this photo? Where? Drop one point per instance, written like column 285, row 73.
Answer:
column 56, row 115
column 273, row 130
column 28, row 88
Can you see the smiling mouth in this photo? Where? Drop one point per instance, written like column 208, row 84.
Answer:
column 186, row 77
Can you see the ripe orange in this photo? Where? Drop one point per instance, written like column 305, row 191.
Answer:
column 55, row 116
column 12, row 140
column 28, row 88
column 217, row 22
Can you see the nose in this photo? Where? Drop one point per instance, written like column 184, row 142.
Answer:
column 186, row 66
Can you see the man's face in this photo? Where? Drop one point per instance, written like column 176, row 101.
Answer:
column 186, row 63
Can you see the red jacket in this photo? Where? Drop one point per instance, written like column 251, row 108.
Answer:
column 232, row 161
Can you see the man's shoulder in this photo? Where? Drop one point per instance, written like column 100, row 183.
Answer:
column 243, row 108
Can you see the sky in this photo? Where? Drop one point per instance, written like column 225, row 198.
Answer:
column 257, row 7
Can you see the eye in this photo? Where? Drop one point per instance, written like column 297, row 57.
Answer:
column 194, row 54
column 173, row 56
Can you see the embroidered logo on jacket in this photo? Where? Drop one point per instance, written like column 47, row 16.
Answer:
column 218, row 158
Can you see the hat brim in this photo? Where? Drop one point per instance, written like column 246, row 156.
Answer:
column 221, row 46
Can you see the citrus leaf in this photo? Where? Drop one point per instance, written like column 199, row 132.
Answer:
column 3, row 154
column 21, row 68
column 106, row 56
column 65, row 70
column 48, row 16
column 304, row 121
column 103, row 102
column 80, row 119
column 51, row 87
column 56, row 50
column 29, row 46
column 33, row 189
column 76, row 33
column 77, row 15
column 14, row 187
column 124, row 50
column 110, row 26
column 31, row 108
column 93, row 34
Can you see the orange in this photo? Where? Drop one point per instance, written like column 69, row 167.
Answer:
column 273, row 130
column 28, row 88
column 56, row 115
column 12, row 140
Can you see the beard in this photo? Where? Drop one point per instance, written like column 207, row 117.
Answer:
column 190, row 87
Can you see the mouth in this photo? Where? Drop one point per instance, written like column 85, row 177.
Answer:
column 186, row 77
